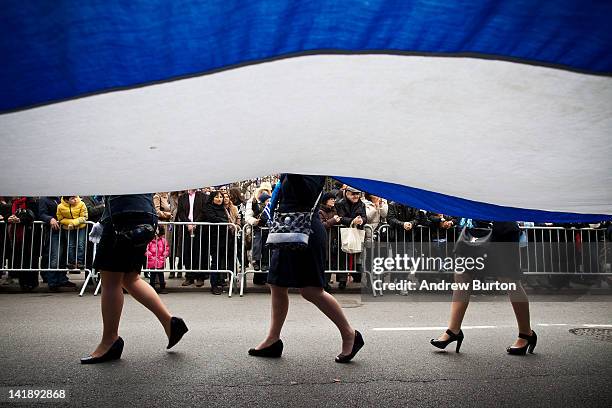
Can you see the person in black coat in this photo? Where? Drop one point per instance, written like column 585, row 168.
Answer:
column 95, row 208
column 219, row 239
column 191, row 209
column 303, row 269
column 352, row 211
column 52, row 244
column 442, row 233
column 403, row 232
column 403, row 221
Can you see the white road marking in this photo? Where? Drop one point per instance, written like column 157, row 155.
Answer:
column 428, row 328
column 551, row 324
column 597, row 325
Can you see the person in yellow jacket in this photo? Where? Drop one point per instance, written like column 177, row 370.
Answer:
column 72, row 216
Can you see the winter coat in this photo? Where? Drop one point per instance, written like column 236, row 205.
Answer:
column 234, row 215
column 437, row 232
column 47, row 208
column 253, row 212
column 347, row 210
column 327, row 216
column 215, row 214
column 375, row 215
column 218, row 244
column 162, row 206
column 128, row 204
column 75, row 215
column 95, row 208
column 399, row 214
column 182, row 213
column 157, row 252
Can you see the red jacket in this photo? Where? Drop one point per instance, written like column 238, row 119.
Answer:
column 157, row 252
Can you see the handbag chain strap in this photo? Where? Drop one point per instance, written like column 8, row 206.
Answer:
column 314, row 207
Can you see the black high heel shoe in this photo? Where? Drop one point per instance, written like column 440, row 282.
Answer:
column 531, row 343
column 113, row 353
column 177, row 329
column 441, row 344
column 357, row 345
column 274, row 350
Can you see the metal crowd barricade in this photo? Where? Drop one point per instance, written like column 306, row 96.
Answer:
column 249, row 233
column 204, row 248
column 337, row 262
column 341, row 263
column 213, row 248
column 36, row 247
column 565, row 251
column 542, row 250
column 419, row 241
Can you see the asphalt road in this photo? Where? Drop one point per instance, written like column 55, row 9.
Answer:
column 43, row 336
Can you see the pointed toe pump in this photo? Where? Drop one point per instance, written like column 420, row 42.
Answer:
column 178, row 328
column 113, row 353
column 441, row 344
column 357, row 345
column 274, row 350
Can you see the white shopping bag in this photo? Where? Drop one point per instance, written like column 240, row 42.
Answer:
column 352, row 240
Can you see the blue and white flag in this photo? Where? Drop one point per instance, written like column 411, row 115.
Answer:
column 498, row 110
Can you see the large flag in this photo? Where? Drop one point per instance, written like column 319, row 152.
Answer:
column 478, row 108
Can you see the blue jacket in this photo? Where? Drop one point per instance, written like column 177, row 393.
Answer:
column 47, row 208
column 129, row 203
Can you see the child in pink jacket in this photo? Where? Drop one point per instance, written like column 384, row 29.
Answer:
column 157, row 252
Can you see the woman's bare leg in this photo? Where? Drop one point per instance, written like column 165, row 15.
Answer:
column 459, row 305
column 520, row 305
column 146, row 295
column 331, row 308
column 111, row 305
column 278, row 314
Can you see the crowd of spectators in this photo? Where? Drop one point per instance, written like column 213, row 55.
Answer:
column 59, row 245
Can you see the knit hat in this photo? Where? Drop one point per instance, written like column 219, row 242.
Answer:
column 328, row 195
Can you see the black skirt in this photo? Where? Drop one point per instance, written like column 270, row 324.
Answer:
column 502, row 256
column 299, row 269
column 119, row 256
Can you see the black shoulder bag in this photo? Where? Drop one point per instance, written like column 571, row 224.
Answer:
column 137, row 236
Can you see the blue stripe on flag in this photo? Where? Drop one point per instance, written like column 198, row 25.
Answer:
column 59, row 50
column 444, row 204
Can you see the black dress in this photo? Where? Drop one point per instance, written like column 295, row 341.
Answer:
column 298, row 269
column 504, row 257
column 502, row 253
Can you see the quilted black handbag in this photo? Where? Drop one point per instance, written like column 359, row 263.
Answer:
column 291, row 230
column 473, row 242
